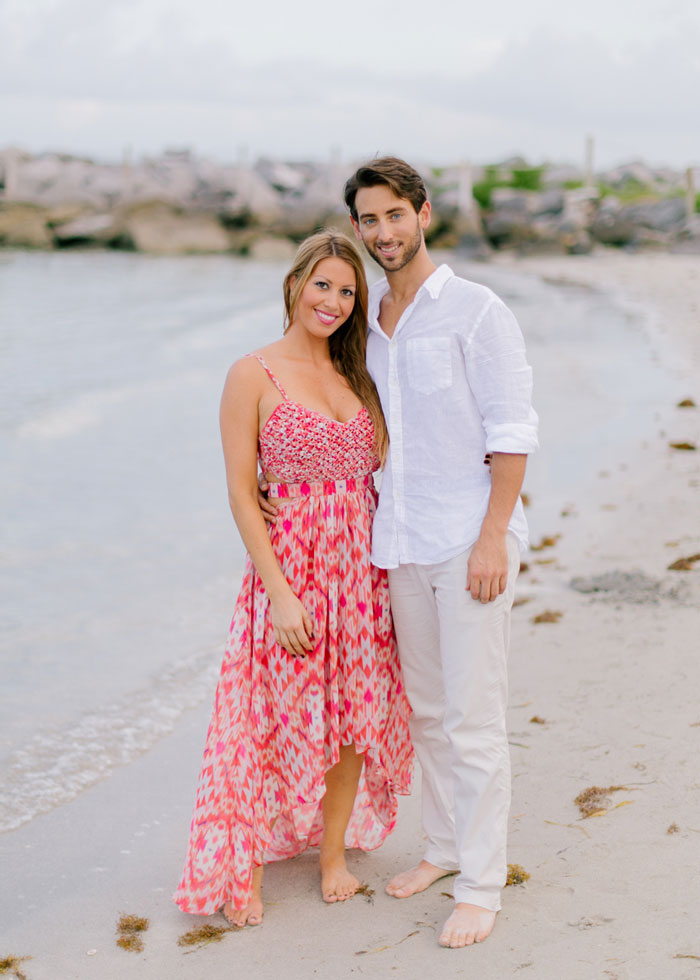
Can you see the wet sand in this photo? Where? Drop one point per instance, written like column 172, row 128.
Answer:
column 604, row 695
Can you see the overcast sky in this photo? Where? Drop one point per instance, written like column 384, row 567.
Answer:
column 433, row 80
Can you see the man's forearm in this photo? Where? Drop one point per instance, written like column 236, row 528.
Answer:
column 507, row 475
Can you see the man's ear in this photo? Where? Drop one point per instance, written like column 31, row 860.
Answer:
column 356, row 228
column 424, row 215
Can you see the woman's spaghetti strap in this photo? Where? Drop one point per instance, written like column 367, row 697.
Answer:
column 271, row 376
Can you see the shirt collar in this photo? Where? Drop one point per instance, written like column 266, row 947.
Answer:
column 432, row 285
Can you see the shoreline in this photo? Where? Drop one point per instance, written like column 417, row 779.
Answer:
column 612, row 685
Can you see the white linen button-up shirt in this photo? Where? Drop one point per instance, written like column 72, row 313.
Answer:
column 454, row 384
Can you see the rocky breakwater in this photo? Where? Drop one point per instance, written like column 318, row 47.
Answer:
column 173, row 204
column 179, row 203
column 561, row 209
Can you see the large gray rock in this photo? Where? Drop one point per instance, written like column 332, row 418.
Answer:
column 249, row 198
column 665, row 215
column 282, row 176
column 158, row 227
column 267, row 248
column 101, row 229
column 508, row 200
column 548, row 203
column 505, row 227
column 611, row 227
column 24, row 226
column 580, row 206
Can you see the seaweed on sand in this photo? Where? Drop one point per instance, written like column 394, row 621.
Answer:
column 12, row 963
column 129, row 929
column 595, row 800
column 548, row 616
column 368, row 892
column 683, row 564
column 203, row 935
column 517, row 875
column 548, row 541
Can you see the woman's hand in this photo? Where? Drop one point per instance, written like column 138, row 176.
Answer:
column 292, row 625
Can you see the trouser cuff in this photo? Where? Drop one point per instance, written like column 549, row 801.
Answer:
column 440, row 859
column 472, row 896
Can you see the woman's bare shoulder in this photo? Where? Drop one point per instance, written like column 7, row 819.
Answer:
column 245, row 376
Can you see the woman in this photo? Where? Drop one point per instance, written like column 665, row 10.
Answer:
column 309, row 742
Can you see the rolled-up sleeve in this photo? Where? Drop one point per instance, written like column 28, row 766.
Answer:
column 501, row 380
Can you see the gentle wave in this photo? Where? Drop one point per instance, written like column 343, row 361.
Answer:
column 89, row 409
column 56, row 766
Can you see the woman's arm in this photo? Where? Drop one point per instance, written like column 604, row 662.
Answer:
column 239, row 418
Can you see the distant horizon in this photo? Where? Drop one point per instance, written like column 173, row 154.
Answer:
column 335, row 157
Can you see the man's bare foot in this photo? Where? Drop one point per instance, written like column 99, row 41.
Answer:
column 416, row 880
column 252, row 914
column 468, row 924
column 337, row 883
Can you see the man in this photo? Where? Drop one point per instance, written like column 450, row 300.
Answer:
column 448, row 360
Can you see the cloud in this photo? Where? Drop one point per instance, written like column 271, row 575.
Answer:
column 139, row 73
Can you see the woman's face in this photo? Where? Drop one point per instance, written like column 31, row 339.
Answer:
column 327, row 299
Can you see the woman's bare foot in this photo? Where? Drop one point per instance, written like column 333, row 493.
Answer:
column 252, row 914
column 337, row 883
column 468, row 924
column 415, row 880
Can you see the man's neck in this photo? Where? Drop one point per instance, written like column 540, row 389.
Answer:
column 405, row 283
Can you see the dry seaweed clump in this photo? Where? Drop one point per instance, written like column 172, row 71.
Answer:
column 548, row 616
column 129, row 929
column 683, row 564
column 689, row 447
column 548, row 541
column 686, row 403
column 517, row 875
column 596, row 799
column 368, row 893
column 204, row 934
column 10, row 965
column 673, row 829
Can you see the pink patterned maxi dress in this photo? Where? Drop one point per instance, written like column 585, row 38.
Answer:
column 278, row 721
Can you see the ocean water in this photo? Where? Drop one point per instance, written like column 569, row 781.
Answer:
column 119, row 559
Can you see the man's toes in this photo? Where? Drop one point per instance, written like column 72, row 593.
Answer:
column 396, row 890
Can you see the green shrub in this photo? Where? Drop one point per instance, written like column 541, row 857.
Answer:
column 481, row 192
column 527, row 179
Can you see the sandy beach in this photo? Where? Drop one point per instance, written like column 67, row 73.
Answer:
column 603, row 693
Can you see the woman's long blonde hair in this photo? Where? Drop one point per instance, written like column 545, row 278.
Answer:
column 348, row 345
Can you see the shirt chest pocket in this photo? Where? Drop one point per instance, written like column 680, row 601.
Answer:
column 429, row 364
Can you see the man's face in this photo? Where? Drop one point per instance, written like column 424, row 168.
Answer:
column 388, row 226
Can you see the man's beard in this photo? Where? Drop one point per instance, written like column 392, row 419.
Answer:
column 411, row 250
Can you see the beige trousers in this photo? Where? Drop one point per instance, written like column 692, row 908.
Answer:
column 453, row 653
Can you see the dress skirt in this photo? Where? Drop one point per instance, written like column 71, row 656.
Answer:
column 279, row 721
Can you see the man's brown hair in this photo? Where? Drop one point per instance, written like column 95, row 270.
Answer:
column 395, row 174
